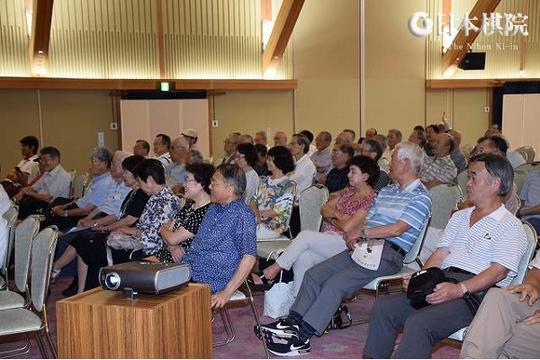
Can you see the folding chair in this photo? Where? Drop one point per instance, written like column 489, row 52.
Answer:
column 444, row 198
column 11, row 216
column 409, row 261
column 34, row 319
column 237, row 297
column 24, row 235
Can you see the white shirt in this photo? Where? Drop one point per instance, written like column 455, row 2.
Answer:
column 56, row 183
column 165, row 159
column 498, row 237
column 29, row 166
column 252, row 183
column 304, row 173
column 5, row 204
column 323, row 160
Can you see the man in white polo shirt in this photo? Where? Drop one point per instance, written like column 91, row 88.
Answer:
column 481, row 247
column 507, row 324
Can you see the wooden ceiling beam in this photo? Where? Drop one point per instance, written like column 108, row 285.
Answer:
column 41, row 34
column 462, row 42
column 282, row 30
column 42, row 83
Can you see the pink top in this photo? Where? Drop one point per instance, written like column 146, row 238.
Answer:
column 347, row 206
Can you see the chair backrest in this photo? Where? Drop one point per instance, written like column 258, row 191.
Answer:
column 529, row 253
column 310, row 203
column 24, row 235
column 462, row 182
column 413, row 254
column 528, row 167
column 11, row 216
column 527, row 152
column 514, row 205
column 287, row 224
column 444, row 198
column 43, row 248
column 519, row 180
column 78, row 185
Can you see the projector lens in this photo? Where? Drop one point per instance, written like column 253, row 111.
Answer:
column 112, row 281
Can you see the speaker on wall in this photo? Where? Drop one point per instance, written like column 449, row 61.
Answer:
column 473, row 61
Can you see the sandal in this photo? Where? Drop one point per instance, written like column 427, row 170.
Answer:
column 266, row 283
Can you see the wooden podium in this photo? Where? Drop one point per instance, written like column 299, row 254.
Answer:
column 105, row 324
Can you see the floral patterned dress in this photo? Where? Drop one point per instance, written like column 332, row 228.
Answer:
column 276, row 195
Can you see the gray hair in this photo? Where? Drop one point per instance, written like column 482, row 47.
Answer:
column 325, row 136
column 195, row 156
column 120, row 155
column 180, row 141
column 383, row 140
column 102, row 154
column 413, row 153
column 233, row 175
column 498, row 167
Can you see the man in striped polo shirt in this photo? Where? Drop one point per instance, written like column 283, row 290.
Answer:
column 481, row 247
column 398, row 215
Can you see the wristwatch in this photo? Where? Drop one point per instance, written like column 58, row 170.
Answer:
column 464, row 291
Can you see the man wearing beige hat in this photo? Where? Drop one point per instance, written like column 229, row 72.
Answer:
column 191, row 136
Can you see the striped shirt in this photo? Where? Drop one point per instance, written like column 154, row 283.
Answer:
column 496, row 238
column 439, row 168
column 411, row 205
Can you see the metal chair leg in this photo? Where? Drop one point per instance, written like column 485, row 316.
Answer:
column 228, row 327
column 25, row 349
column 256, row 316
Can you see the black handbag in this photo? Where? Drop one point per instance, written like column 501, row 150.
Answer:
column 423, row 283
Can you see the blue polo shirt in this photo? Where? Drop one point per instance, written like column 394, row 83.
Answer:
column 226, row 234
column 411, row 205
column 96, row 192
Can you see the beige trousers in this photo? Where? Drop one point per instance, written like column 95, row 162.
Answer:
column 499, row 331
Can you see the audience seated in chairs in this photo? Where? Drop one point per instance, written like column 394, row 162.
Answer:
column 224, row 249
column 274, row 197
column 507, row 324
column 26, row 170
column 246, row 158
column 322, row 157
column 90, row 245
column 260, row 167
column 144, row 240
column 178, row 234
column 457, row 155
column 439, row 169
column 162, row 145
column 398, row 215
column 530, row 197
column 141, row 148
column 495, row 145
column 175, row 172
column 304, row 171
column 482, row 247
column 65, row 213
column 343, row 213
column 336, row 179
column 54, row 182
column 373, row 149
column 107, row 213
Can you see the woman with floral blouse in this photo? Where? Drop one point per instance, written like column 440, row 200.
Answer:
column 274, row 197
column 161, row 207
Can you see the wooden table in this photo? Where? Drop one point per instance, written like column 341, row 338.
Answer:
column 105, row 324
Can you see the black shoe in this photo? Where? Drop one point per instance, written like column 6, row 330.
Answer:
column 280, row 328
column 291, row 346
column 72, row 288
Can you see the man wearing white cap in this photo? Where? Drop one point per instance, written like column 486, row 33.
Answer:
column 191, row 136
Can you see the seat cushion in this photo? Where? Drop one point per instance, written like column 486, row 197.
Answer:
column 375, row 282
column 274, row 248
column 18, row 321
column 10, row 300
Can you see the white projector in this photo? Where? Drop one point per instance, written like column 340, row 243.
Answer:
column 144, row 277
